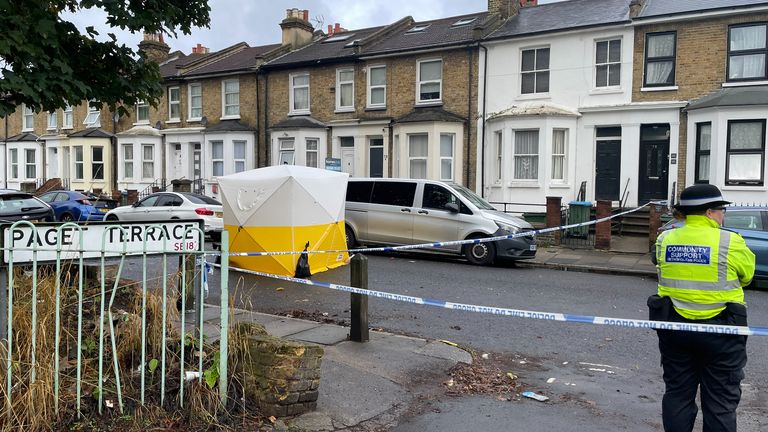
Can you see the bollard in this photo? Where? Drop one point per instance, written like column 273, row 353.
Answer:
column 358, row 331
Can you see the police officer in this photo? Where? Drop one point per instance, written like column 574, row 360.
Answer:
column 702, row 269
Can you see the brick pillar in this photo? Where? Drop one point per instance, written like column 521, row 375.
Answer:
column 554, row 216
column 133, row 196
column 603, row 229
column 654, row 223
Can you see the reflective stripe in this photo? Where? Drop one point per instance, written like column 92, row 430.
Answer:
column 700, row 201
column 722, row 256
column 697, row 306
column 699, row 285
column 659, row 240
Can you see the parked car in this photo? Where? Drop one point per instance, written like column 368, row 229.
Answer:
column 71, row 206
column 163, row 206
column 16, row 206
column 403, row 211
column 752, row 223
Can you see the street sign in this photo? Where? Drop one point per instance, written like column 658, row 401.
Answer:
column 117, row 237
column 333, row 164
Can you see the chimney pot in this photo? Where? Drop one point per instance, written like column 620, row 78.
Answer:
column 337, row 28
column 330, row 29
column 306, row 15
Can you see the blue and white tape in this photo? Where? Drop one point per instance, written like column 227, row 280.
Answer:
column 532, row 233
column 527, row 314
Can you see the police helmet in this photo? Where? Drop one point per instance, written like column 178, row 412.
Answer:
column 700, row 197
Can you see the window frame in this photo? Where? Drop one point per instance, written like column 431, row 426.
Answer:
column 729, row 151
column 370, row 87
column 564, row 155
column 27, row 118
column 535, row 156
column 340, row 84
column 30, row 166
column 307, row 151
column 141, row 105
column 235, row 159
column 286, row 150
column 224, row 104
column 498, row 142
column 451, row 158
column 672, row 58
column 68, row 114
column 13, row 159
column 608, row 63
column 699, row 152
column 192, row 106
column 176, row 103
column 53, row 125
column 763, row 51
column 420, row 82
column 215, row 161
column 148, row 162
column 94, row 163
column 292, row 87
column 536, row 71
column 80, row 163
column 411, row 159
column 128, row 174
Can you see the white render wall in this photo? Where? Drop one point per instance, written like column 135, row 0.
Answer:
column 361, row 133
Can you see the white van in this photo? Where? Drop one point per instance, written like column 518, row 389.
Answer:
column 393, row 212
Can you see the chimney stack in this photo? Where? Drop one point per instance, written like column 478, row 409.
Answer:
column 503, row 8
column 199, row 49
column 154, row 47
column 635, row 6
column 297, row 31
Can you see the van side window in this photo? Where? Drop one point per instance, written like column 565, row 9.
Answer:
column 436, row 197
column 359, row 191
column 394, row 193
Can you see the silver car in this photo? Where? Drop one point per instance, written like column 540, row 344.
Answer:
column 405, row 211
column 163, row 206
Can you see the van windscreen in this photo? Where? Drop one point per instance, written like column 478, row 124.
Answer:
column 473, row 197
column 359, row 191
column 394, row 193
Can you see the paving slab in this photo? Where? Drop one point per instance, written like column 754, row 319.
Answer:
column 323, row 335
column 444, row 351
column 283, row 327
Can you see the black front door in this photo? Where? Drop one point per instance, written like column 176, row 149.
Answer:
column 607, row 170
column 376, row 158
column 654, row 163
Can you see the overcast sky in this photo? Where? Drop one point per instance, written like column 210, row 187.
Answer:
column 256, row 22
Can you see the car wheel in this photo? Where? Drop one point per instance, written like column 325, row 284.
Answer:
column 480, row 253
column 112, row 218
column 66, row 217
column 351, row 243
column 216, row 236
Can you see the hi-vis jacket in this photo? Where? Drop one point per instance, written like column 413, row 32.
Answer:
column 702, row 267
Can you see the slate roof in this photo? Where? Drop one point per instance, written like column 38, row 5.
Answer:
column 660, row 8
column 229, row 126
column 734, row 96
column 431, row 114
column 302, row 122
column 561, row 16
column 438, row 33
column 24, row 136
column 92, row 133
column 244, row 59
column 170, row 68
column 324, row 50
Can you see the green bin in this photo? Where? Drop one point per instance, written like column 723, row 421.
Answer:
column 579, row 211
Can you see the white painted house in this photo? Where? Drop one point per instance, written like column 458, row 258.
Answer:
column 555, row 110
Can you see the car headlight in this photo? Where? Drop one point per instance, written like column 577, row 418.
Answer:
column 507, row 227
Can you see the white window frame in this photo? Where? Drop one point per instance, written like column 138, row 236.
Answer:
column 224, row 105
column 195, row 106
column 93, row 118
column 13, row 158
column 535, row 71
column 412, row 159
column 30, row 163
column 80, row 162
column 372, row 87
column 342, row 84
column 498, row 141
column 27, row 118
column 450, row 158
column 534, row 156
column 239, row 161
column 291, row 94
column 563, row 156
column 53, row 120
column 172, row 103
column 68, row 119
column 94, row 162
column 217, row 162
column 420, row 82
column 148, row 164
column 308, row 151
column 608, row 63
column 128, row 173
column 142, row 106
column 286, row 150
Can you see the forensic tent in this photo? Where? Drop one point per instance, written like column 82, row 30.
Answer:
column 282, row 208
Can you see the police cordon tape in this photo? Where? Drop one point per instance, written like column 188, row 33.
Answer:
column 520, row 313
column 531, row 233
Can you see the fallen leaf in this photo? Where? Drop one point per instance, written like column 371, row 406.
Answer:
column 109, row 403
column 280, row 289
column 484, row 356
column 448, row 342
column 511, row 376
column 272, row 419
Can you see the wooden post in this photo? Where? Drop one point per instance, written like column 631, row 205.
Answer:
column 358, row 331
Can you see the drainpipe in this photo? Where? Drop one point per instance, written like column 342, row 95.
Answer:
column 469, row 114
column 482, row 139
column 113, row 145
column 256, row 132
column 267, row 141
column 5, row 150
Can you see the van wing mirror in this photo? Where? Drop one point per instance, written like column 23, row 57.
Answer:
column 452, row 207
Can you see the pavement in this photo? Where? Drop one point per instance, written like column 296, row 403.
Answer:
column 366, row 386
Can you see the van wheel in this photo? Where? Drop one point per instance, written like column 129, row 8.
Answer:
column 351, row 243
column 480, row 253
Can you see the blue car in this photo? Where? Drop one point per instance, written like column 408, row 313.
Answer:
column 752, row 223
column 71, row 206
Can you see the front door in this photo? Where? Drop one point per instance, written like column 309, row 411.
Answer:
column 654, row 163
column 347, row 145
column 607, row 170
column 376, row 158
column 178, row 162
column 196, row 168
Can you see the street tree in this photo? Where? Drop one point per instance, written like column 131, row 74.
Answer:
column 47, row 63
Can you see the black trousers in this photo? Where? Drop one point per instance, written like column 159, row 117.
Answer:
column 713, row 363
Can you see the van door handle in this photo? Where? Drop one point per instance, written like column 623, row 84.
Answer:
column 405, row 210
column 423, row 212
